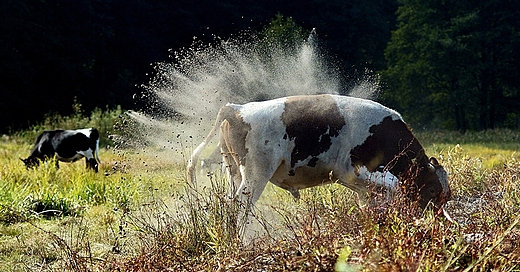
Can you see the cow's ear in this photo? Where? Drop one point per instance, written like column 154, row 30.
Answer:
column 431, row 167
column 434, row 161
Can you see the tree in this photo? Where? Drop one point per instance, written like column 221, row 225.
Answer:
column 100, row 51
column 283, row 32
column 450, row 63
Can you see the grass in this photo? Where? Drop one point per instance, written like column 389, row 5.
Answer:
column 137, row 214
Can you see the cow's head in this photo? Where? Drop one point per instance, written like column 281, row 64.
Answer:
column 92, row 164
column 30, row 162
column 433, row 185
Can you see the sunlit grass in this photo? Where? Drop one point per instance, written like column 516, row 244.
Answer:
column 84, row 208
column 493, row 147
column 138, row 214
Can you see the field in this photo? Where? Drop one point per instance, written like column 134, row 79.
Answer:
column 139, row 214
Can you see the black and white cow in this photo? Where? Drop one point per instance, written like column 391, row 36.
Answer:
column 303, row 141
column 66, row 146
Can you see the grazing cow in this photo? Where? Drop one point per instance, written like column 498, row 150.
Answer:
column 67, row 146
column 299, row 142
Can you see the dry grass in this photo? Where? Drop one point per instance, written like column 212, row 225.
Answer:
column 176, row 229
column 326, row 230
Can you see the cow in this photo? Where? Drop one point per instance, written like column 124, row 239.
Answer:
column 298, row 142
column 66, row 146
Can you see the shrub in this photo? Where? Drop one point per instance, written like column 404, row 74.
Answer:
column 103, row 120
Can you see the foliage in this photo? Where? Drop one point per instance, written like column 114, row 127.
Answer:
column 48, row 192
column 103, row 120
column 451, row 64
column 283, row 33
column 326, row 229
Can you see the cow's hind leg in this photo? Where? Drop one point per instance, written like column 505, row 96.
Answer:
column 247, row 176
column 236, row 208
column 252, row 185
column 232, row 171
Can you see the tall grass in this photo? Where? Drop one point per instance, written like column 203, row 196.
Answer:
column 63, row 218
column 47, row 191
column 101, row 119
column 143, row 217
column 326, row 229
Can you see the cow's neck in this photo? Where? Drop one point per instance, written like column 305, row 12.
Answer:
column 412, row 158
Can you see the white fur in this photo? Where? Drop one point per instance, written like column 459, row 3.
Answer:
column 89, row 153
column 84, row 131
column 385, row 178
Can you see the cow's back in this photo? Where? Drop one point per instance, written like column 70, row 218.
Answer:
column 43, row 146
column 306, row 125
column 317, row 112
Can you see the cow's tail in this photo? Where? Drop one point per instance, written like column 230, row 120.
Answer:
column 94, row 134
column 96, row 153
column 192, row 163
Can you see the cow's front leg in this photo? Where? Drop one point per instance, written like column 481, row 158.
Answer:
column 254, row 180
column 370, row 186
column 56, row 163
column 91, row 164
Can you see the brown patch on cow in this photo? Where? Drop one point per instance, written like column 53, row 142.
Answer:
column 393, row 146
column 312, row 122
column 301, row 177
column 391, row 141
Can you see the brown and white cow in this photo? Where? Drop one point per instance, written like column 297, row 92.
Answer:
column 299, row 142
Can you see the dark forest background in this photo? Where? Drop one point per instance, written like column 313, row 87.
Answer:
column 444, row 64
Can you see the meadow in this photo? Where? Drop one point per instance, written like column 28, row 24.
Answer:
column 139, row 214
